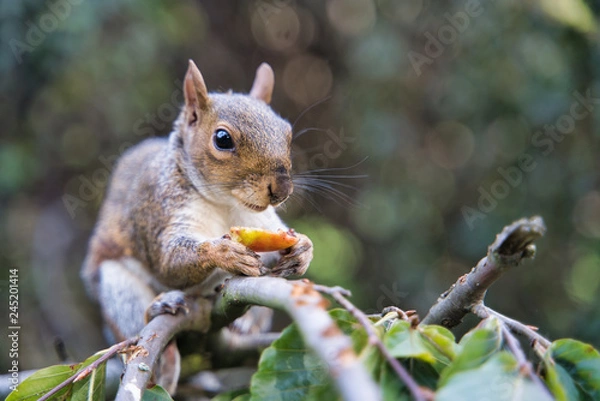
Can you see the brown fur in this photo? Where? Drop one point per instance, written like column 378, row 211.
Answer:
column 147, row 215
column 171, row 200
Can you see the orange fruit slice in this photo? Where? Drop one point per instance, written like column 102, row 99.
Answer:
column 260, row 240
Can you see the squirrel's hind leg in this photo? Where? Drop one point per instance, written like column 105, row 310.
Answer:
column 124, row 296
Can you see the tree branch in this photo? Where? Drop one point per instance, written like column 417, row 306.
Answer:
column 511, row 247
column 109, row 353
column 525, row 367
column 306, row 307
column 234, row 342
column 308, row 310
column 539, row 343
column 413, row 387
column 153, row 338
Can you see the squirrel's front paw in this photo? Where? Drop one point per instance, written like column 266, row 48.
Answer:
column 295, row 260
column 235, row 258
column 168, row 302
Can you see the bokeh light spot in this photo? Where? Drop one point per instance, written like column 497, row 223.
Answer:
column 542, row 55
column 78, row 146
column 379, row 134
column 351, row 17
column 378, row 55
column 379, row 218
column 584, row 281
column 275, row 27
column 451, row 144
column 400, row 11
column 586, row 215
column 508, row 136
column 307, row 79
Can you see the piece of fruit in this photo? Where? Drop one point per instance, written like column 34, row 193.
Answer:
column 260, row 240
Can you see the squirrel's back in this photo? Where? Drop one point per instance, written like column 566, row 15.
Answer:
column 128, row 194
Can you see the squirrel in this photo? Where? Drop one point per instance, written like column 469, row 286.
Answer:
column 170, row 201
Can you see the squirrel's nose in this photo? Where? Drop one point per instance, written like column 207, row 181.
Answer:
column 279, row 188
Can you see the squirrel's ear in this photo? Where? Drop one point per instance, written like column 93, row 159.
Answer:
column 196, row 95
column 262, row 88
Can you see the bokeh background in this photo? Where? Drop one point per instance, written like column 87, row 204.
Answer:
column 437, row 123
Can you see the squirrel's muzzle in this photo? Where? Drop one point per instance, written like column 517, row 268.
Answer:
column 280, row 188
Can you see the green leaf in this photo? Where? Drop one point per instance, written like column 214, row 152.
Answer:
column 573, row 13
column 402, row 341
column 92, row 387
column 573, row 370
column 441, row 338
column 344, row 320
column 559, row 382
column 287, row 371
column 372, row 360
column 350, row 327
column 232, row 395
column 498, row 378
column 43, row 381
column 475, row 348
column 391, row 387
column 156, row 393
column 424, row 374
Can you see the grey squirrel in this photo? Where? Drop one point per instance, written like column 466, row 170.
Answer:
column 170, row 201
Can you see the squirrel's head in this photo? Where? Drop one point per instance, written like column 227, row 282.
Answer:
column 234, row 148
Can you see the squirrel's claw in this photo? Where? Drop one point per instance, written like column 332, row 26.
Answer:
column 295, row 260
column 167, row 302
column 234, row 257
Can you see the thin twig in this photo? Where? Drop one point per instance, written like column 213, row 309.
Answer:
column 536, row 340
column 331, row 290
column 524, row 365
column 404, row 315
column 513, row 245
column 109, row 353
column 411, row 384
column 234, row 342
column 392, row 312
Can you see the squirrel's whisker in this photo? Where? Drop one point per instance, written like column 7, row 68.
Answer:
column 308, row 193
column 334, row 176
column 328, row 192
column 305, row 130
column 322, row 182
column 334, row 195
column 323, row 179
column 330, row 169
column 309, row 108
column 305, row 196
column 282, row 206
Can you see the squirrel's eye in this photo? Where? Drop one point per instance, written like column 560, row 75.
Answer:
column 223, row 140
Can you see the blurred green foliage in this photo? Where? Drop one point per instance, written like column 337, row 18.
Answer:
column 436, row 99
